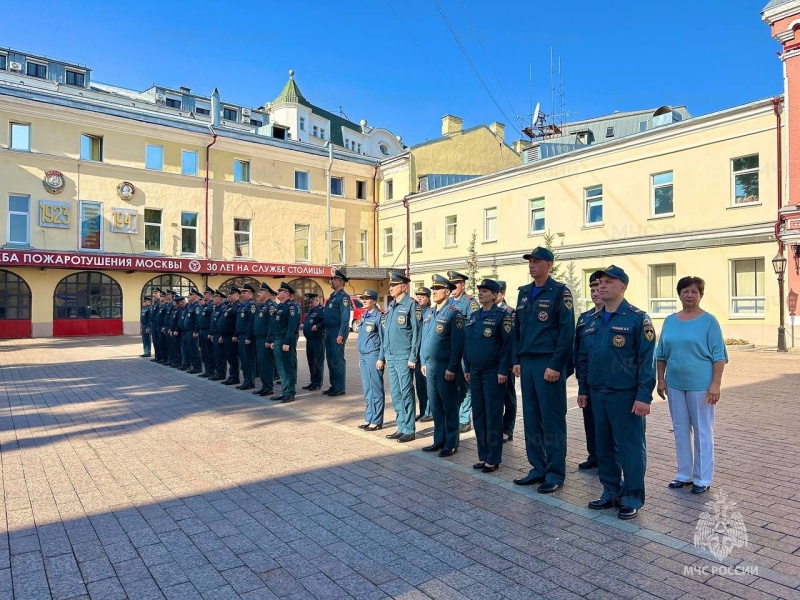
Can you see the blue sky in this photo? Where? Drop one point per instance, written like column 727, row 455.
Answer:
column 395, row 62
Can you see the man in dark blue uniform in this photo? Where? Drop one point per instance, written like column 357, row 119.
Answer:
column 180, row 359
column 423, row 296
column 247, row 310
column 227, row 329
column 400, row 337
column 283, row 340
column 191, row 333
column 510, row 396
column 369, row 348
column 203, row 331
column 466, row 304
column 543, row 335
column 314, row 332
column 441, row 351
column 337, row 328
column 144, row 326
column 588, row 417
column 155, row 307
column 616, row 369
column 259, row 325
column 220, row 368
column 162, row 325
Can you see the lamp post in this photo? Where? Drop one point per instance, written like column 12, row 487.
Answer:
column 779, row 266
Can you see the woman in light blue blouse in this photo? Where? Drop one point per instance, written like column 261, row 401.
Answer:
column 691, row 357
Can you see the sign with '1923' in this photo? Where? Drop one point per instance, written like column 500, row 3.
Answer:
column 55, row 214
column 124, row 220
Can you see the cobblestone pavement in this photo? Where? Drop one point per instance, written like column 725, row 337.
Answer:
column 122, row 478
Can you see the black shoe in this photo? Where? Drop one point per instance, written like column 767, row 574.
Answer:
column 216, row 378
column 265, row 393
column 340, row 393
column 184, row 368
column 194, row 371
column 306, row 387
column 529, row 479
column 240, row 386
column 204, row 375
column 231, row 382
column 587, row 464
column 278, row 397
column 600, row 504
column 433, row 448
column 508, row 438
column 700, row 489
column 328, row 391
column 364, row 425
column 374, row 428
column 407, row 437
column 465, row 427
column 490, row 469
column 479, row 465
column 675, row 484
column 155, row 360
column 394, row 436
column 446, row 452
column 626, row 512
column 287, row 399
column 248, row 386
column 548, row 488
column 315, row 388
column 257, row 392
column 145, row 355
column 425, row 419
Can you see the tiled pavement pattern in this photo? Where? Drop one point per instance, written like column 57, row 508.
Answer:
column 124, row 478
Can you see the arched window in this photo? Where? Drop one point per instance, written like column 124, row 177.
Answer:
column 238, row 282
column 87, row 295
column 180, row 284
column 15, row 297
column 305, row 286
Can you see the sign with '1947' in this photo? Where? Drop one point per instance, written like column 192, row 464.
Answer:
column 124, row 220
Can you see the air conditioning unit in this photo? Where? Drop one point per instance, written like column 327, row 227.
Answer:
column 15, row 66
column 159, row 97
column 245, row 112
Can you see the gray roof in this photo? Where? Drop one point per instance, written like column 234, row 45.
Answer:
column 774, row 3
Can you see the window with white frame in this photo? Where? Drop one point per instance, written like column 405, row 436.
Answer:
column 241, row 171
column 188, row 233
column 20, row 136
column 3, row 60
column 663, row 281
column 152, row 230
column 450, row 231
column 315, row 131
column 188, row 162
column 490, row 224
column 363, row 246
column 241, row 238
column 302, row 121
column 389, row 186
column 388, row 240
column 302, row 242
column 91, row 147
column 661, row 185
column 230, row 114
column 19, row 220
column 337, row 245
column 593, row 199
column 337, row 186
column 36, row 70
column 536, row 209
column 745, row 179
column 322, row 133
column 416, row 236
column 154, row 157
column 748, row 297
column 301, row 181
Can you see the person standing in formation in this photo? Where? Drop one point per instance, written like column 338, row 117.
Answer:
column 337, row 328
column 510, row 396
column 588, row 416
column 155, row 307
column 203, row 330
column 144, row 327
column 260, row 334
column 423, row 296
column 247, row 310
column 314, row 332
column 227, row 328
column 219, row 370
column 369, row 347
column 283, row 341
column 466, row 304
column 191, row 345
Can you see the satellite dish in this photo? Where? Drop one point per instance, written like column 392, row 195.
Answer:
column 535, row 115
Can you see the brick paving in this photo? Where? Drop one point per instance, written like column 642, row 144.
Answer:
column 122, row 478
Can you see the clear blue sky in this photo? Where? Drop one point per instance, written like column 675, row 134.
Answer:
column 395, row 62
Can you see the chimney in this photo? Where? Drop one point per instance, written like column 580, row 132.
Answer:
column 498, row 129
column 215, row 108
column 521, row 145
column 186, row 90
column 451, row 125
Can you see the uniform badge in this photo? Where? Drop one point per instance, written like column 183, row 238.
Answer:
column 487, row 332
column 369, row 328
column 241, row 314
column 401, row 319
column 459, row 323
column 524, row 299
column 277, row 317
column 272, row 310
column 439, row 328
column 197, row 310
column 649, row 334
column 291, row 311
column 507, row 326
column 253, row 309
column 543, row 316
column 418, row 313
column 261, row 315
column 568, row 303
column 618, row 341
column 345, row 303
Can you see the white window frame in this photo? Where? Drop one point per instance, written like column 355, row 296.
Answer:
column 657, row 302
column 416, row 230
column 315, row 131
column 363, row 246
column 160, row 226
column 302, row 123
column 388, row 241
column 447, row 234
column 322, row 133
column 307, row 239
column 17, row 213
column 244, row 166
column 489, row 220
column 81, row 204
column 11, row 145
column 146, row 150
column 388, row 188
column 533, row 210
column 341, row 187
column 339, row 242
column 241, row 232
column 734, row 313
column 734, row 174
column 196, row 162
column 93, row 138
column 308, row 181
column 657, row 186
column 587, row 200
column 189, row 227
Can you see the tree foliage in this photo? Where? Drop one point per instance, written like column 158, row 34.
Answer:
column 472, row 265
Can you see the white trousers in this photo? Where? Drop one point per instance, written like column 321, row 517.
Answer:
column 692, row 417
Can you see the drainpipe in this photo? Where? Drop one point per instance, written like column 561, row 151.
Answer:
column 328, row 196
column 375, row 214
column 776, row 106
column 208, row 152
column 408, row 236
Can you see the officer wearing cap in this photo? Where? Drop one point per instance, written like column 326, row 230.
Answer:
column 466, row 304
column 441, row 351
column 337, row 328
column 283, row 340
column 144, row 326
column 423, row 296
column 162, row 320
column 203, row 332
column 510, row 396
column 180, row 358
column 588, row 417
column 219, row 365
column 314, row 332
column 400, row 337
column 616, row 369
column 487, row 361
column 259, row 326
column 191, row 344
column 247, row 309
column 369, row 347
column 544, row 330
column 155, row 307
column 227, row 329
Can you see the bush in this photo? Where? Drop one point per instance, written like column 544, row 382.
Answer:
column 735, row 342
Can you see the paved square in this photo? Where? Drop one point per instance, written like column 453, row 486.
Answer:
column 122, row 478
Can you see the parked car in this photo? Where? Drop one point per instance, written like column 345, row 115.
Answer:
column 357, row 309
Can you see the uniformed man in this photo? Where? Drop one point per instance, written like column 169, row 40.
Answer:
column 260, row 334
column 588, row 417
column 162, row 325
column 369, row 348
column 337, row 328
column 423, row 296
column 283, row 341
column 152, row 325
column 441, row 352
column 617, row 371
column 191, row 333
column 220, row 365
column 144, row 326
column 487, row 361
column 204, row 331
column 314, row 332
column 466, row 304
column 245, row 344
column 544, row 330
column 180, row 358
column 227, row 329
column 510, row 397
column 400, row 338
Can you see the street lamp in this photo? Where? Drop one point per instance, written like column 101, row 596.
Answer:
column 779, row 266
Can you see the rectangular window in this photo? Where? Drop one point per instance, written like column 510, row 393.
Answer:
column 3, row 62
column 363, row 246
column 416, row 236
column 20, row 134
column 188, row 162
column 361, row 190
column 230, row 114
column 202, row 111
column 302, row 123
column 256, row 123
column 337, row 186
column 188, row 233
column 75, row 78
column 745, row 179
column 536, row 215
column 662, row 194
column 173, row 103
column 359, row 149
column 610, row 132
column 663, row 281
column 152, row 230
column 241, row 238
column 490, row 224
column 593, row 198
column 322, row 133
column 747, row 287
column 154, row 157
column 450, row 231
column 301, row 180
column 91, row 147
column 241, row 171
column 302, row 243
column 389, row 189
column 19, row 220
column 37, row 70
column 388, row 240
column 337, row 245
column 90, row 234
column 315, row 131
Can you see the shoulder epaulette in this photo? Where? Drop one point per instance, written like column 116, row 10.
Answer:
column 636, row 310
column 453, row 308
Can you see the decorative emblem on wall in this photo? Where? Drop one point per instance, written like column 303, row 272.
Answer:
column 53, row 182
column 126, row 190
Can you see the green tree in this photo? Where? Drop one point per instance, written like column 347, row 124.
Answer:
column 573, row 281
column 472, row 265
column 549, row 243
